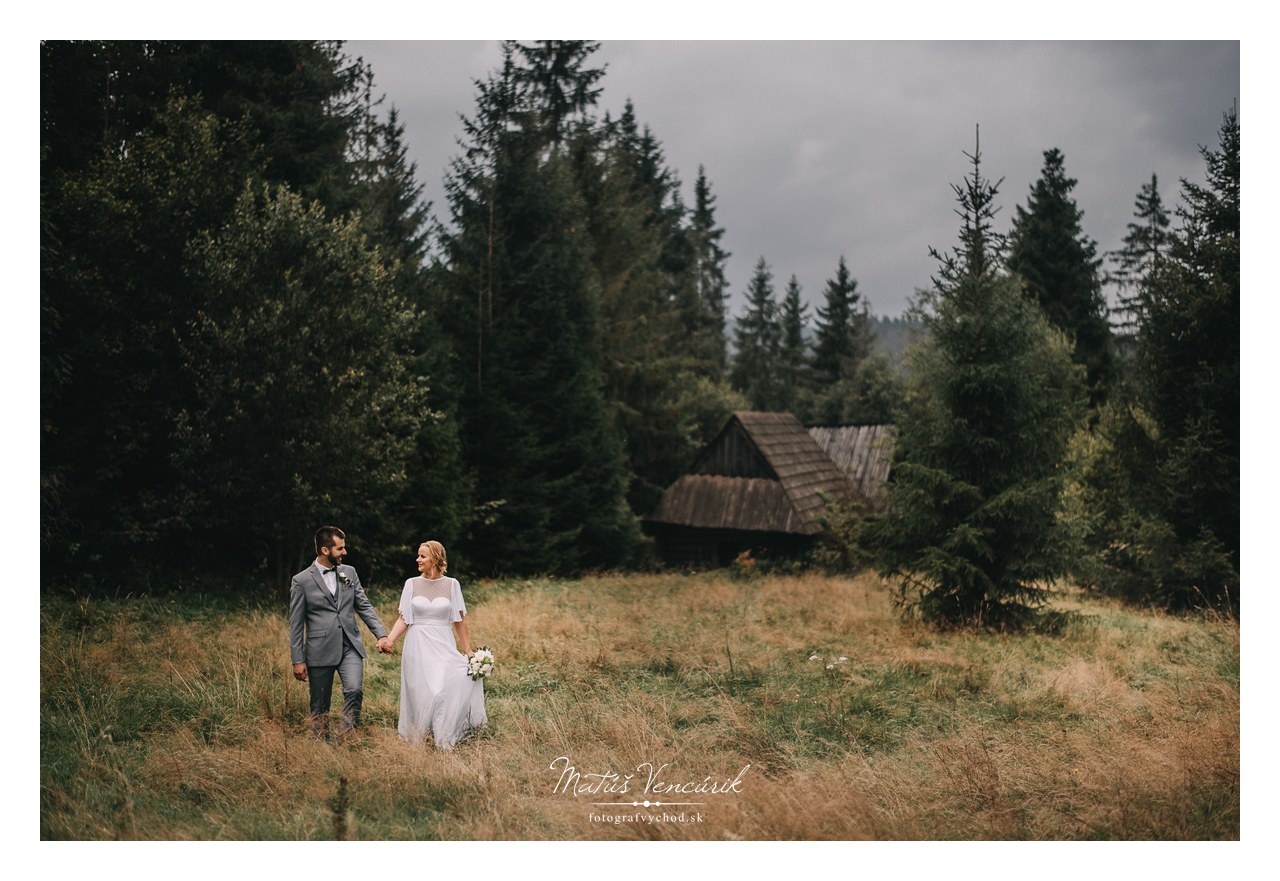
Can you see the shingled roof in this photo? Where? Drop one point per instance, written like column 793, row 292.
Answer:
column 863, row 452
column 764, row 472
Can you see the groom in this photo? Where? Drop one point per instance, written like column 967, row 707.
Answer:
column 324, row 599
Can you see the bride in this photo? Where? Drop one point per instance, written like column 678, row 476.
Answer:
column 437, row 696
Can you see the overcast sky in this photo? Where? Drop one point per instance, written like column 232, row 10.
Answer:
column 820, row 149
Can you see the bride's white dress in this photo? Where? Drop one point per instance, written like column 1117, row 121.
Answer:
column 437, row 696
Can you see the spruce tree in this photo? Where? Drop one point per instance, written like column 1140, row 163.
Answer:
column 660, row 399
column 709, row 264
column 1058, row 264
column 842, row 335
column 115, row 233
column 1189, row 350
column 523, row 313
column 1145, row 242
column 1155, row 487
column 438, row 490
column 560, row 85
column 325, row 429
column 629, row 213
column 391, row 196
column 971, row 533
column 148, row 149
column 793, row 351
column 757, row 340
column 845, row 386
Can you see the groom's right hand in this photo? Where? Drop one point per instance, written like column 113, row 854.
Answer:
column 300, row 672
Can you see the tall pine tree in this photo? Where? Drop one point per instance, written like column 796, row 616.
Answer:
column 1189, row 346
column 325, row 429
column 793, row 351
column 558, row 82
column 439, row 489
column 522, row 310
column 132, row 193
column 1145, row 242
column 842, row 336
column 1059, row 266
column 631, row 218
column 846, row 387
column 709, row 264
column 757, row 340
column 1155, row 487
column 972, row 533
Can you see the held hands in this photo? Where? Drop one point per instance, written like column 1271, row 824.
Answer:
column 385, row 645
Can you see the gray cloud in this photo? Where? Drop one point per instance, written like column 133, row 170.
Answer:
column 820, row 149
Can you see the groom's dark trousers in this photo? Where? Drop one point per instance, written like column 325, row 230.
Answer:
column 351, row 671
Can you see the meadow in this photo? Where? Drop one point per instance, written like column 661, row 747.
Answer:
column 177, row 718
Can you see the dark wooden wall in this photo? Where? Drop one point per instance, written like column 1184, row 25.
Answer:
column 734, row 455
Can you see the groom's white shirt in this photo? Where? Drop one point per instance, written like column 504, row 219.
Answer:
column 329, row 577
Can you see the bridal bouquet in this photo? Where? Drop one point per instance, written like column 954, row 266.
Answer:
column 480, row 664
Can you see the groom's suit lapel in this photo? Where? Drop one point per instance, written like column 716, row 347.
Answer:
column 337, row 594
column 332, row 597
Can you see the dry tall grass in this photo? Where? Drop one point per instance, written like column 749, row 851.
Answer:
column 855, row 724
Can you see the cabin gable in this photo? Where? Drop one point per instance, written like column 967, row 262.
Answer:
column 733, row 454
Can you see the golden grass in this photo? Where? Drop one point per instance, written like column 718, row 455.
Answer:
column 1123, row 726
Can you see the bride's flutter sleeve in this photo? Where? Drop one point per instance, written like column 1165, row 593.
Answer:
column 459, row 607
column 406, row 602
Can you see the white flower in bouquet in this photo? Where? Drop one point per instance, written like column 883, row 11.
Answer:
column 481, row 662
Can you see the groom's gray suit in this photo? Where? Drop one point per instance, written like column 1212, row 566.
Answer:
column 324, row 635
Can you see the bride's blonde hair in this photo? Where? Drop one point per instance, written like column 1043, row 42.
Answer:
column 435, row 551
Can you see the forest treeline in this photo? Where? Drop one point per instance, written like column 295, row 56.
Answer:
column 251, row 323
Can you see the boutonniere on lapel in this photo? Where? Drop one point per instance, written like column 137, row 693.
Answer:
column 342, row 577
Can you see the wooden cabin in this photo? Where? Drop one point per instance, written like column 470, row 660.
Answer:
column 759, row 485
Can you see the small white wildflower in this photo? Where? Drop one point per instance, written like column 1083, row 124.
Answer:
column 843, row 659
column 831, row 666
column 813, row 658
